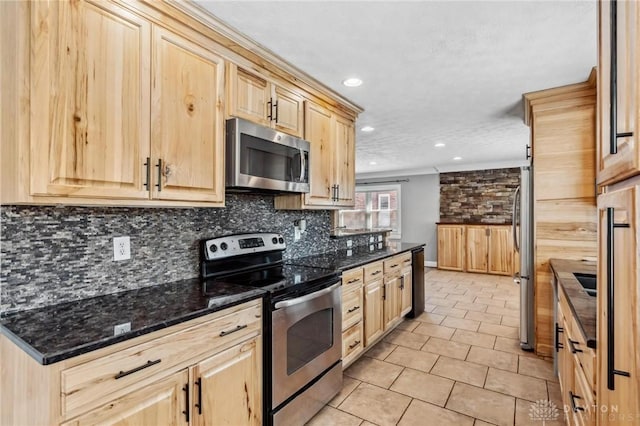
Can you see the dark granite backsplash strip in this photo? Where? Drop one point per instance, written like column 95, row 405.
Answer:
column 56, row 254
column 484, row 196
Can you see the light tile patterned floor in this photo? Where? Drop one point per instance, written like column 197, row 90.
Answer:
column 459, row 363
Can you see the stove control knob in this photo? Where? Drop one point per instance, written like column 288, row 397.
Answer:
column 213, row 248
column 274, row 240
column 281, row 240
column 223, row 246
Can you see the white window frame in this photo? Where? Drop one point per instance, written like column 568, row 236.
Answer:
column 395, row 235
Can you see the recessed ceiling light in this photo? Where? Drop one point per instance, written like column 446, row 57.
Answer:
column 352, row 82
column 457, row 158
column 439, row 145
column 368, row 129
column 372, row 163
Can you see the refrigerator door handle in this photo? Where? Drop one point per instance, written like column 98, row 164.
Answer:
column 516, row 199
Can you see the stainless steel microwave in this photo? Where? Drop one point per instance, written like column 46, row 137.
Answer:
column 260, row 158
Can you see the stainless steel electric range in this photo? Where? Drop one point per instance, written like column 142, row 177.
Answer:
column 302, row 339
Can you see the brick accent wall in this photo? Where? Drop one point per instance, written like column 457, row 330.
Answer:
column 479, row 196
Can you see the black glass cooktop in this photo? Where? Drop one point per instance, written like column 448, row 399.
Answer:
column 278, row 280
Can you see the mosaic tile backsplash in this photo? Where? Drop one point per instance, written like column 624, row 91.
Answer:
column 56, row 254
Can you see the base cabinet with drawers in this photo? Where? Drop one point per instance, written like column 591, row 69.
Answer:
column 375, row 298
column 206, row 371
column 576, row 367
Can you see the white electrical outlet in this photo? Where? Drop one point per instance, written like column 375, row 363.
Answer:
column 349, row 243
column 121, row 248
column 296, row 234
column 121, row 328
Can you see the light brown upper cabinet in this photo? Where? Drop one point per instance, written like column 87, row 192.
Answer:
column 123, row 109
column 332, row 157
column 618, row 85
column 91, row 99
column 187, row 120
column 255, row 98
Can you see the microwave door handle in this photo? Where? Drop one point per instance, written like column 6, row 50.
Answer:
column 306, row 298
column 303, row 166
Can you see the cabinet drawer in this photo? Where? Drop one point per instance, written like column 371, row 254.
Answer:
column 373, row 271
column 394, row 265
column 88, row 385
column 352, row 306
column 351, row 279
column 352, row 343
column 583, row 398
column 584, row 356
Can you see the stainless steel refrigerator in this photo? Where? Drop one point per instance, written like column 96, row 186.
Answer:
column 523, row 240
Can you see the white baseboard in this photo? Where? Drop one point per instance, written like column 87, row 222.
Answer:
column 431, row 263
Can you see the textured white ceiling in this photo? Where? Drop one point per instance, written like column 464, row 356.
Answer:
column 451, row 72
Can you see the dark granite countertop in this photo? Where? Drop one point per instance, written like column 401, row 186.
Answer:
column 582, row 305
column 62, row 331
column 357, row 256
column 344, row 232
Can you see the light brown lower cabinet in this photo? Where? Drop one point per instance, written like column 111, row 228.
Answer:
column 387, row 295
column 207, row 371
column 486, row 249
column 575, row 368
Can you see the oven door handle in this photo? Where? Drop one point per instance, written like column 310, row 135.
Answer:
column 307, row 297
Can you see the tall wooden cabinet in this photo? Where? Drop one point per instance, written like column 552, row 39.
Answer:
column 563, row 128
column 618, row 167
column 618, row 296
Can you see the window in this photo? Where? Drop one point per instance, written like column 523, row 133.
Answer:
column 375, row 207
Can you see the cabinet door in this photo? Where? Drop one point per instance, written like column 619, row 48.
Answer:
column 406, row 287
column 187, row 120
column 621, row 243
column 90, row 93
column 451, row 247
column 613, row 167
column 392, row 300
column 227, row 387
column 500, row 250
column 249, row 96
column 288, row 111
column 318, row 131
column 344, row 149
column 477, row 249
column 162, row 403
column 373, row 326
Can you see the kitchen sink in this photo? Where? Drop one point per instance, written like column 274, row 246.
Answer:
column 588, row 282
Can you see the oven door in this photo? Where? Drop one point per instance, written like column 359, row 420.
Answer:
column 306, row 338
